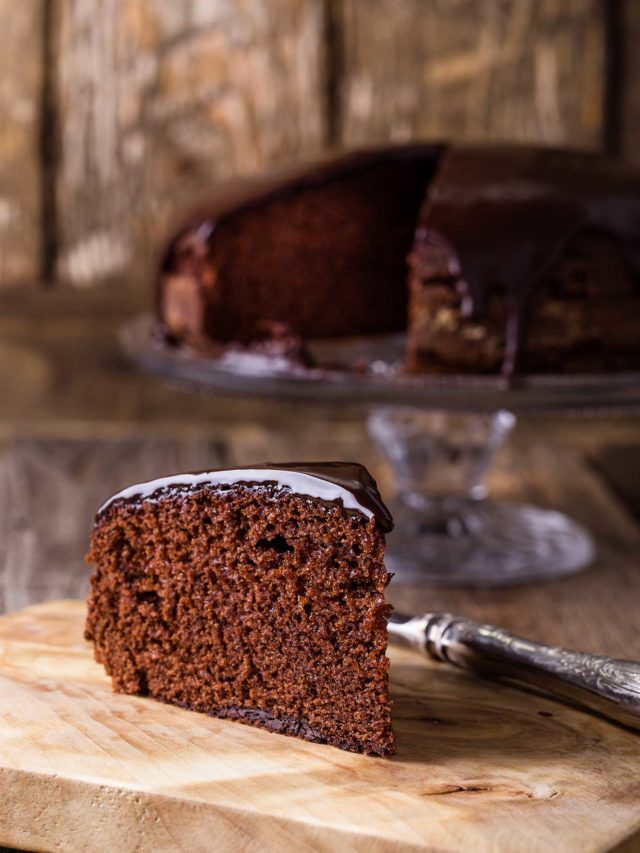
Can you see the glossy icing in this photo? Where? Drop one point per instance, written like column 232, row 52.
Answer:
column 345, row 483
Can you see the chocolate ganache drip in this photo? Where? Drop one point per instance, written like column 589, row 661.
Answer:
column 500, row 217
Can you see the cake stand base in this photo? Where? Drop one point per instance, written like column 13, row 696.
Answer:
column 446, row 529
column 485, row 544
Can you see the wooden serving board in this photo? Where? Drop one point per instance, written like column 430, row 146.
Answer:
column 479, row 767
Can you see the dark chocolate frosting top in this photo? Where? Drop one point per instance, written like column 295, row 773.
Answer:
column 356, row 490
column 350, row 476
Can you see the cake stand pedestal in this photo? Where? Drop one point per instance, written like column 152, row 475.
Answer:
column 448, row 531
column 440, row 435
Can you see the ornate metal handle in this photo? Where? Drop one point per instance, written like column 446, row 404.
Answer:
column 602, row 684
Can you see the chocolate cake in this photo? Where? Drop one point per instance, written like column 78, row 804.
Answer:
column 253, row 594
column 520, row 259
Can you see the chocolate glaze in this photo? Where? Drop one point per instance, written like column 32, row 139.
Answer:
column 349, row 476
column 500, row 216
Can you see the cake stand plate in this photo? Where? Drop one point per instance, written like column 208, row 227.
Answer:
column 440, row 435
column 368, row 371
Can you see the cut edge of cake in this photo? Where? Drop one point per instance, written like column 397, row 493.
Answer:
column 254, row 594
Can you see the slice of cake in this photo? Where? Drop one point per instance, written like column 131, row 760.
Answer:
column 255, row 594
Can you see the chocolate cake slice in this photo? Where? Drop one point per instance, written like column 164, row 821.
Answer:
column 254, row 594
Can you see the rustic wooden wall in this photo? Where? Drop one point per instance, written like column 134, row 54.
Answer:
column 157, row 98
column 21, row 63
column 473, row 69
column 144, row 101
column 626, row 133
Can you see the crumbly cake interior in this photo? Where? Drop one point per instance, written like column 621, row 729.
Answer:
column 251, row 603
column 321, row 260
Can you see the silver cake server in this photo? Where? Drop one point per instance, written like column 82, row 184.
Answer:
column 605, row 685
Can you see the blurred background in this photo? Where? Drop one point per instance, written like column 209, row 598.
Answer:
column 113, row 112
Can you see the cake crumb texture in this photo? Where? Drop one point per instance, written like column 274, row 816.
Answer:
column 247, row 602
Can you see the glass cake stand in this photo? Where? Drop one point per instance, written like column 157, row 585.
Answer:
column 439, row 433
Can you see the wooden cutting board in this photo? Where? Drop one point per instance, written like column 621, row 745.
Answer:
column 479, row 767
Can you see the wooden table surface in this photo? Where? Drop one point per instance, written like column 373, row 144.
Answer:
column 477, row 768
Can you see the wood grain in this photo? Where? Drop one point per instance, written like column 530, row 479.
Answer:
column 157, row 98
column 21, row 73
column 478, row 767
column 51, row 486
column 496, row 69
